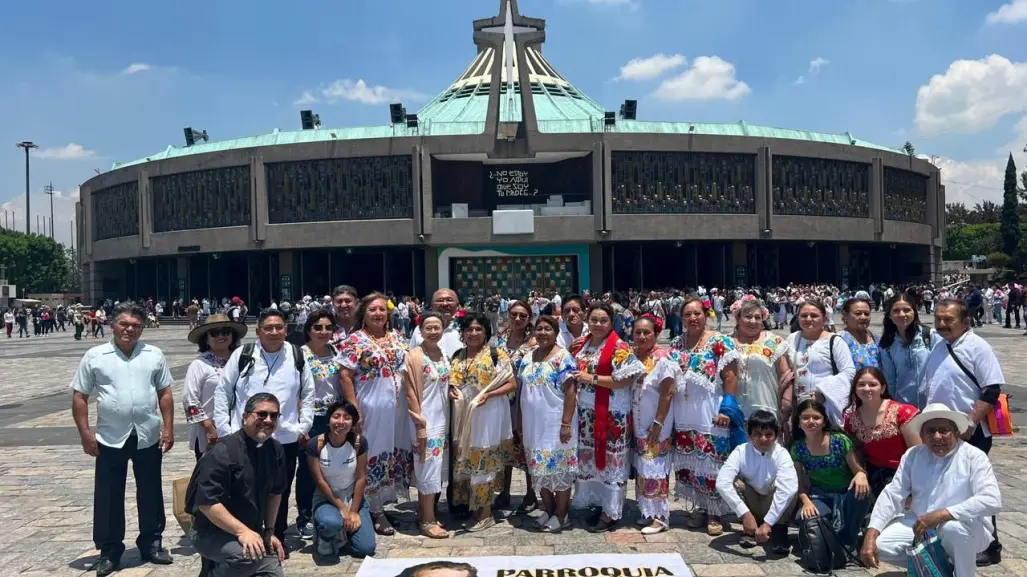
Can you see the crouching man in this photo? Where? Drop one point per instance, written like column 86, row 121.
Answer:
column 759, row 483
column 234, row 495
column 953, row 489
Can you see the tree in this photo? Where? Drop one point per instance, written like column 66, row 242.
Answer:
column 1010, row 221
column 984, row 212
column 36, row 263
column 956, row 214
column 909, row 149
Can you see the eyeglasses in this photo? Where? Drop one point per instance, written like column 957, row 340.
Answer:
column 222, row 332
column 322, row 328
column 264, row 415
column 518, row 315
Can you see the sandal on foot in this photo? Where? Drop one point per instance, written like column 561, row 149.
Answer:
column 486, row 523
column 434, row 530
column 714, row 528
column 603, row 526
column 382, row 526
column 657, row 526
column 555, row 525
column 747, row 542
column 526, row 508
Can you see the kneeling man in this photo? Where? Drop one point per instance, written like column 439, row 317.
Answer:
column 235, row 493
column 954, row 492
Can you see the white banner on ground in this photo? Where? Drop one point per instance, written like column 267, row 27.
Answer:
column 639, row 565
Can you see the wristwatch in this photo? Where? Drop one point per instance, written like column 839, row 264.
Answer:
column 595, row 380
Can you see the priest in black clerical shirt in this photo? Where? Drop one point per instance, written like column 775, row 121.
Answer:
column 234, row 495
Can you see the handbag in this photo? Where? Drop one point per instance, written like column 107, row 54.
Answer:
column 178, row 499
column 927, row 558
column 1000, row 421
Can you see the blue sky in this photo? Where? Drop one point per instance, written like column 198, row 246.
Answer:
column 94, row 83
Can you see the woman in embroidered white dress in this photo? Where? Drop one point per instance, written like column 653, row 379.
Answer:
column 428, row 401
column 370, row 380
column 702, row 429
column 821, row 360
column 606, row 371
column 323, row 360
column 764, row 377
column 653, row 394
column 516, row 340
column 548, row 400
column 480, row 388
column 217, row 337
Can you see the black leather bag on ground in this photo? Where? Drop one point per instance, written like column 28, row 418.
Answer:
column 820, row 550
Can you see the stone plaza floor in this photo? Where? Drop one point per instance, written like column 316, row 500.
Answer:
column 46, row 482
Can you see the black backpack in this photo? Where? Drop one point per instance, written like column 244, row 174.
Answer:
column 246, row 358
column 820, row 549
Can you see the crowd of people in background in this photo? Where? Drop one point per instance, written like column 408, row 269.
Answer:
column 347, row 402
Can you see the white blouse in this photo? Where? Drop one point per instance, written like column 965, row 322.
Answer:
column 812, row 365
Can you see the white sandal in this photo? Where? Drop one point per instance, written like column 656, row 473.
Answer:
column 555, row 525
column 660, row 527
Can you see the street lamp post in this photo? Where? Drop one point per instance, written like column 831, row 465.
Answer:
column 48, row 189
column 27, row 145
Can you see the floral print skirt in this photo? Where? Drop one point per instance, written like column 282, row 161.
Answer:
column 698, row 458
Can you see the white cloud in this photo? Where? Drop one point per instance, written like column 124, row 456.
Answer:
column 975, row 181
column 70, row 151
column 63, row 212
column 814, row 68
column 306, row 98
column 1011, row 13
column 360, row 91
column 136, row 68
column 972, row 95
column 651, row 67
column 709, row 78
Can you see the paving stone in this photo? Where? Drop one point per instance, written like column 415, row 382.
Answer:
column 728, row 570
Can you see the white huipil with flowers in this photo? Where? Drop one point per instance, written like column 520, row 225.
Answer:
column 654, row 463
column 700, row 448
column 551, row 463
column 375, row 364
column 430, row 473
column 604, row 488
column 757, row 373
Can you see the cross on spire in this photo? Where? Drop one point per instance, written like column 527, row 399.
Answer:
column 509, row 24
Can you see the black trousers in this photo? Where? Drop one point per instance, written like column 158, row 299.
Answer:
column 282, row 521
column 305, row 484
column 109, row 498
column 1011, row 312
column 984, row 443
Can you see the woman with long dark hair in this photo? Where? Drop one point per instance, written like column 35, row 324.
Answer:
column 606, row 368
column 905, row 347
column 833, row 484
column 879, row 426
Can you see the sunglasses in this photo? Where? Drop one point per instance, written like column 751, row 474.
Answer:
column 264, row 415
column 222, row 332
column 322, row 328
column 518, row 315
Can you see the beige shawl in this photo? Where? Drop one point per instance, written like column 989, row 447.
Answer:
column 464, row 409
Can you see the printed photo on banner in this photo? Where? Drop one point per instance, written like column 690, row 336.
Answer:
column 664, row 564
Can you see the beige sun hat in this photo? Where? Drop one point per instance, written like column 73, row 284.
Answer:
column 214, row 322
column 940, row 411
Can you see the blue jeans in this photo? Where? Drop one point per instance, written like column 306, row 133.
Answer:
column 843, row 511
column 328, row 522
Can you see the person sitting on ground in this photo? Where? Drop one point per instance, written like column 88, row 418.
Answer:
column 759, row 483
column 234, row 495
column 954, row 491
column 338, row 462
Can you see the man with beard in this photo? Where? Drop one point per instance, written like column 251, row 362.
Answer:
column 235, row 493
column 344, row 303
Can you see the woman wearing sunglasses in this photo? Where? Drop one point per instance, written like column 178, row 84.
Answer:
column 216, row 338
column 320, row 356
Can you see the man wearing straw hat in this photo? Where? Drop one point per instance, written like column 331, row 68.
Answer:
column 954, row 491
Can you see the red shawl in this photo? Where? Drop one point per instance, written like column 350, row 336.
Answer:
column 604, row 368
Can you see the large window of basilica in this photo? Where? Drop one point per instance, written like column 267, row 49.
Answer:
column 820, row 187
column 201, row 199
column 905, row 195
column 361, row 188
column 115, row 211
column 683, row 182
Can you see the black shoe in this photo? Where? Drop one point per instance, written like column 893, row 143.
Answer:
column 159, row 557
column 105, row 567
column 987, row 558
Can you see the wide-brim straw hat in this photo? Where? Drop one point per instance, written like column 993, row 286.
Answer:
column 940, row 411
column 214, row 322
